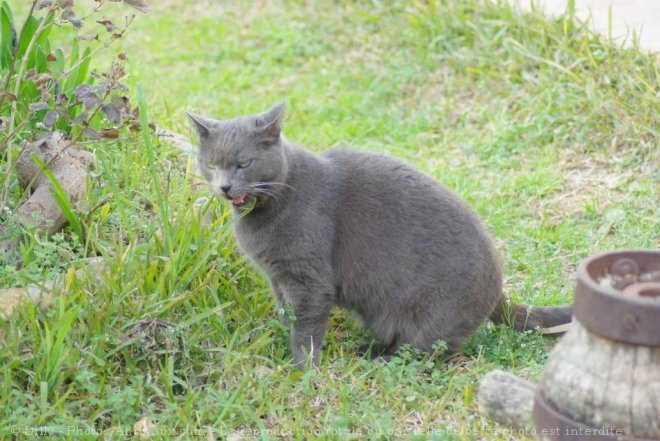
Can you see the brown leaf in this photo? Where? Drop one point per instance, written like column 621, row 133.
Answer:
column 64, row 114
column 121, row 104
column 44, row 4
column 82, row 91
column 140, row 5
column 10, row 96
column 51, row 57
column 45, row 94
column 82, row 116
column 115, row 73
column 91, row 134
column 89, row 37
column 61, row 98
column 67, row 14
column 103, row 87
column 111, row 113
column 110, row 133
column 109, row 26
column 35, row 107
column 91, row 101
column 41, row 79
column 50, row 119
column 121, row 56
column 118, row 71
column 117, row 103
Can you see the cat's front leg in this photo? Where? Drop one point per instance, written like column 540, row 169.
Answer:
column 281, row 306
column 311, row 309
column 306, row 339
column 283, row 309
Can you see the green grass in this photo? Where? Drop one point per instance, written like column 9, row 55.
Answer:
column 549, row 132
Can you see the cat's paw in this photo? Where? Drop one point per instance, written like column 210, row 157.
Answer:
column 372, row 350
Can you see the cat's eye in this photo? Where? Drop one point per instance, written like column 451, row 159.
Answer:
column 209, row 165
column 245, row 164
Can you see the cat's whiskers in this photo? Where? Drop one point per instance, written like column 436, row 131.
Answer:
column 263, row 192
column 272, row 184
column 270, row 189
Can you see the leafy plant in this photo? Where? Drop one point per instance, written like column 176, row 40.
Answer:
column 48, row 87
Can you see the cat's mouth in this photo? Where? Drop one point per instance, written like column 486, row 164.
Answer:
column 239, row 200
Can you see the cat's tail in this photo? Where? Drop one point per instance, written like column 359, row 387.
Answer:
column 553, row 320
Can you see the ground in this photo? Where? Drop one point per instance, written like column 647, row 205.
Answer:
column 630, row 19
column 550, row 133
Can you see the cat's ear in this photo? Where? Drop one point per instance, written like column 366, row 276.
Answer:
column 203, row 125
column 270, row 123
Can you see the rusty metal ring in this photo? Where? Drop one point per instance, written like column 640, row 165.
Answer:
column 555, row 426
column 611, row 313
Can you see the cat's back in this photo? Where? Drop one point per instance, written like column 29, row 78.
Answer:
column 378, row 182
column 389, row 201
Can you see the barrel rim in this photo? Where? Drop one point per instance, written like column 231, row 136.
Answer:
column 606, row 312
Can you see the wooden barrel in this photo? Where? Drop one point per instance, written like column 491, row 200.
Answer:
column 602, row 380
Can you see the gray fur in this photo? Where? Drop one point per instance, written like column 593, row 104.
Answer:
column 360, row 230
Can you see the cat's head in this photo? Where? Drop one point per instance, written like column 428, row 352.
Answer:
column 242, row 158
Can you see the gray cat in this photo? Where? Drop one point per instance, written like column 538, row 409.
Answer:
column 360, row 230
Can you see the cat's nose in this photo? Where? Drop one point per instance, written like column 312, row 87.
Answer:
column 225, row 188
